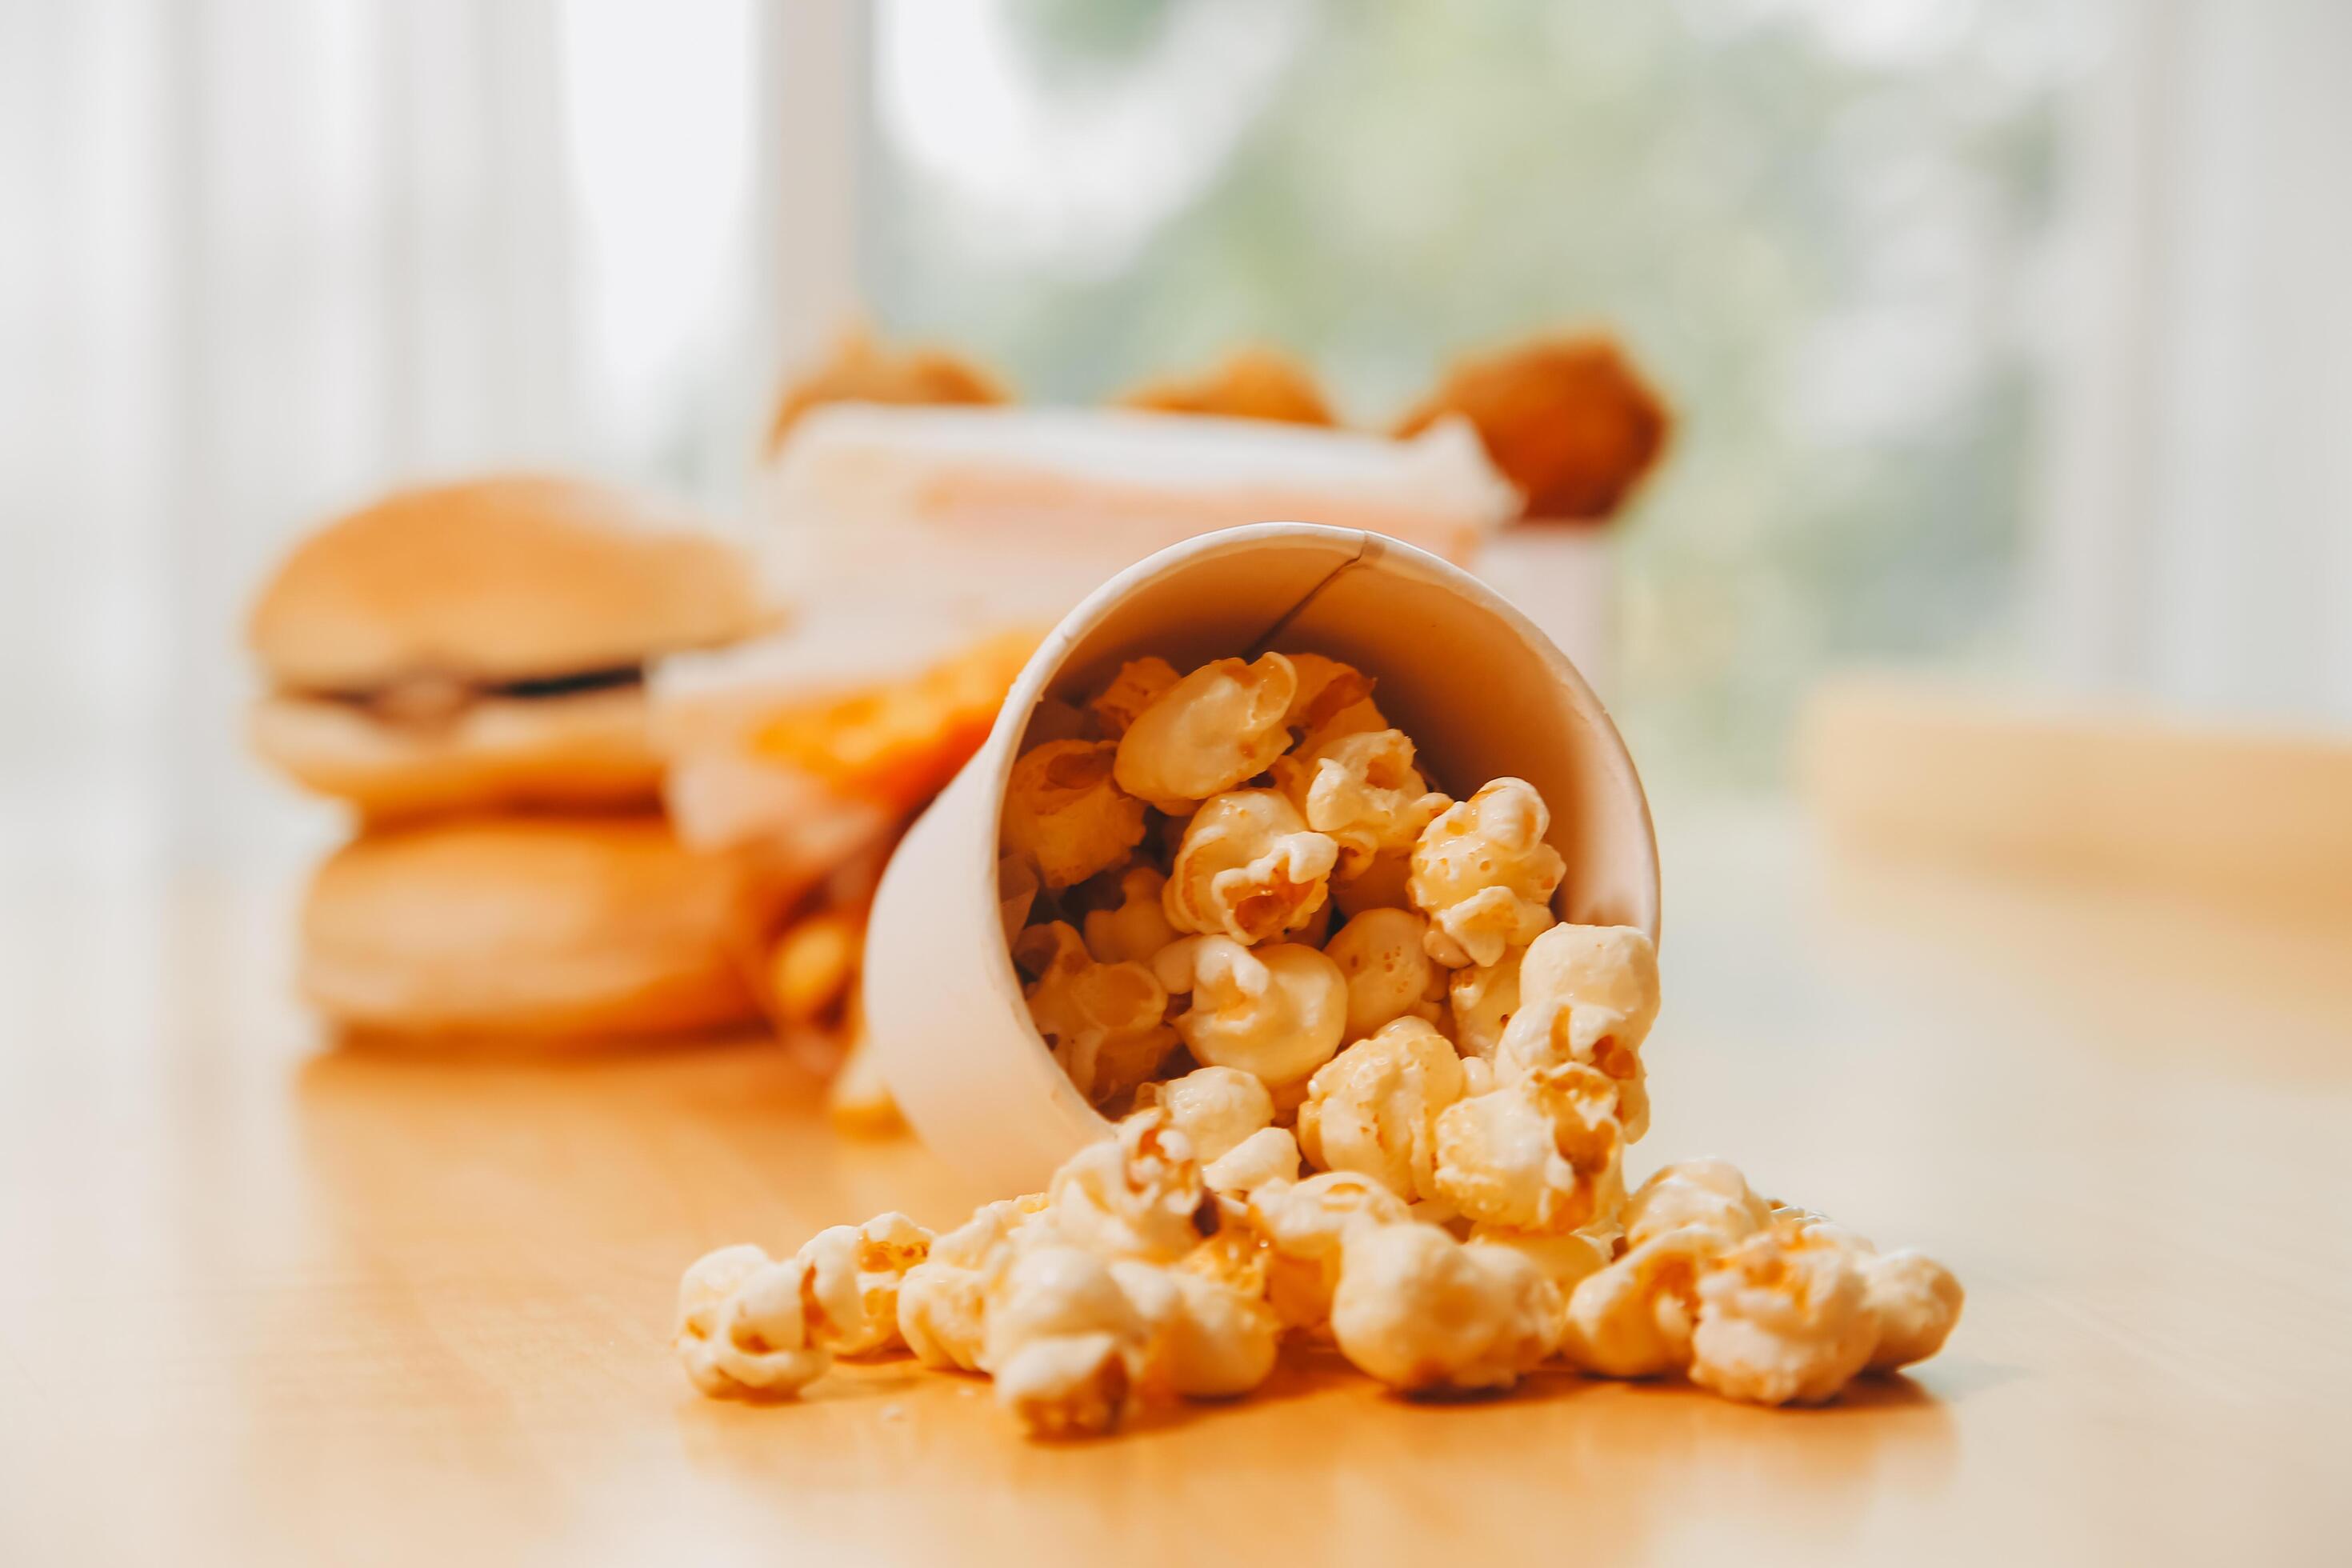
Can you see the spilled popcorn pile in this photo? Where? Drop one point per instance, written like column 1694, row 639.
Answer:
column 1467, row 1219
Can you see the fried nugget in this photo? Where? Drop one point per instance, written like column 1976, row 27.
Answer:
column 1251, row 384
column 1568, row 419
column 863, row 370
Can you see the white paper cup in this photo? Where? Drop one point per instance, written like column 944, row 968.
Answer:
column 1480, row 689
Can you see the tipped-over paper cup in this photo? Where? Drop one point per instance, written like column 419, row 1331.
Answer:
column 1480, row 692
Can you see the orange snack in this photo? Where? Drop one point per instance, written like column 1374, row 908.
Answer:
column 1567, row 419
column 898, row 744
column 1252, row 384
column 863, row 371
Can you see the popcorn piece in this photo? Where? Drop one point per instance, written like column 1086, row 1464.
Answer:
column 1304, row 1224
column 1379, row 885
column 1104, row 1021
column 1710, row 1193
column 1277, row 1011
column 1374, row 1108
column 1249, row 868
column 1421, row 1312
column 1055, row 719
column 1333, row 700
column 1361, row 790
column 1016, row 891
column 1540, row 1154
column 1139, row 927
column 1782, row 1316
column 1484, row 874
column 1566, row 1260
column 1484, row 998
column 1588, row 994
column 1215, row 1108
column 943, row 1300
column 1139, row 684
column 1390, row 974
column 1269, row 1154
column 854, row 1275
column 1137, row 1193
column 1063, row 1342
column 1915, row 1302
column 858, row 1101
column 1218, row 725
column 1634, row 1318
column 707, row 1284
column 1065, row 816
column 813, row 966
column 1206, row 1337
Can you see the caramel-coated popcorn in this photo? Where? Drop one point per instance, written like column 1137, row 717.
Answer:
column 853, row 1276
column 1540, row 1152
column 942, row 1300
column 1634, row 1318
column 1215, row 1108
column 1105, row 1022
column 1419, row 1311
column 1064, row 815
column 1915, row 1302
column 1137, row 927
column 1270, row 1155
column 1304, row 1224
column 1137, row 1193
column 1064, row 1344
column 1277, row 1011
column 1484, row 874
column 1588, row 994
column 1374, row 1108
column 1784, row 1316
column 1364, row 791
column 1139, row 684
column 1249, row 868
column 1710, row 1193
column 1389, row 972
column 1484, row 998
column 1218, row 725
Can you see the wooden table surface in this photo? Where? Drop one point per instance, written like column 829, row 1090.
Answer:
column 261, row 1304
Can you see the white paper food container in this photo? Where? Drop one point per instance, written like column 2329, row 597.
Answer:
column 1480, row 689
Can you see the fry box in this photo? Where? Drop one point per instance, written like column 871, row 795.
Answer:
column 1480, row 689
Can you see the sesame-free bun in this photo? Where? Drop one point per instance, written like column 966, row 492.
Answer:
column 529, row 930
column 589, row 749
column 496, row 580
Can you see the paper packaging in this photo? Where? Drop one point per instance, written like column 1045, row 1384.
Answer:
column 1480, row 689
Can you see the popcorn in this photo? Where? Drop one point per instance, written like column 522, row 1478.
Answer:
column 1139, row 927
column 1063, row 1342
column 1267, row 1156
column 1484, row 998
column 1374, row 1108
column 1783, row 1316
column 1588, row 994
column 1634, row 1318
column 1709, row 1194
column 1379, row 885
column 1206, row 1337
column 1566, row 1260
column 1065, row 816
column 942, row 1300
column 1361, row 790
column 853, row 1274
column 1421, row 1312
column 1277, row 1011
column 1304, row 1224
column 1139, row 684
column 1249, row 868
column 1332, row 700
column 1539, row 1154
column 1215, row 1108
column 1484, row 874
column 1137, row 1193
column 1218, row 725
column 741, row 1327
column 1390, row 973
column 1016, row 891
column 1104, row 1021
column 1915, row 1302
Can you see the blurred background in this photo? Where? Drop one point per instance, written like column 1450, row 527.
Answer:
column 2008, row 338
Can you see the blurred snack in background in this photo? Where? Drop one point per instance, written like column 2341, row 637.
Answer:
column 863, row 371
column 484, row 645
column 1567, row 419
column 467, row 667
column 1252, row 383
column 546, row 929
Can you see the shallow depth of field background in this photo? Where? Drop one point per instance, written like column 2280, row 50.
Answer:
column 2008, row 336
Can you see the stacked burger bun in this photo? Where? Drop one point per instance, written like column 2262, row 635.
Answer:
column 466, row 667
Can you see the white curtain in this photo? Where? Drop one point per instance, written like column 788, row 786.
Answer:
column 2199, row 520
column 260, row 258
